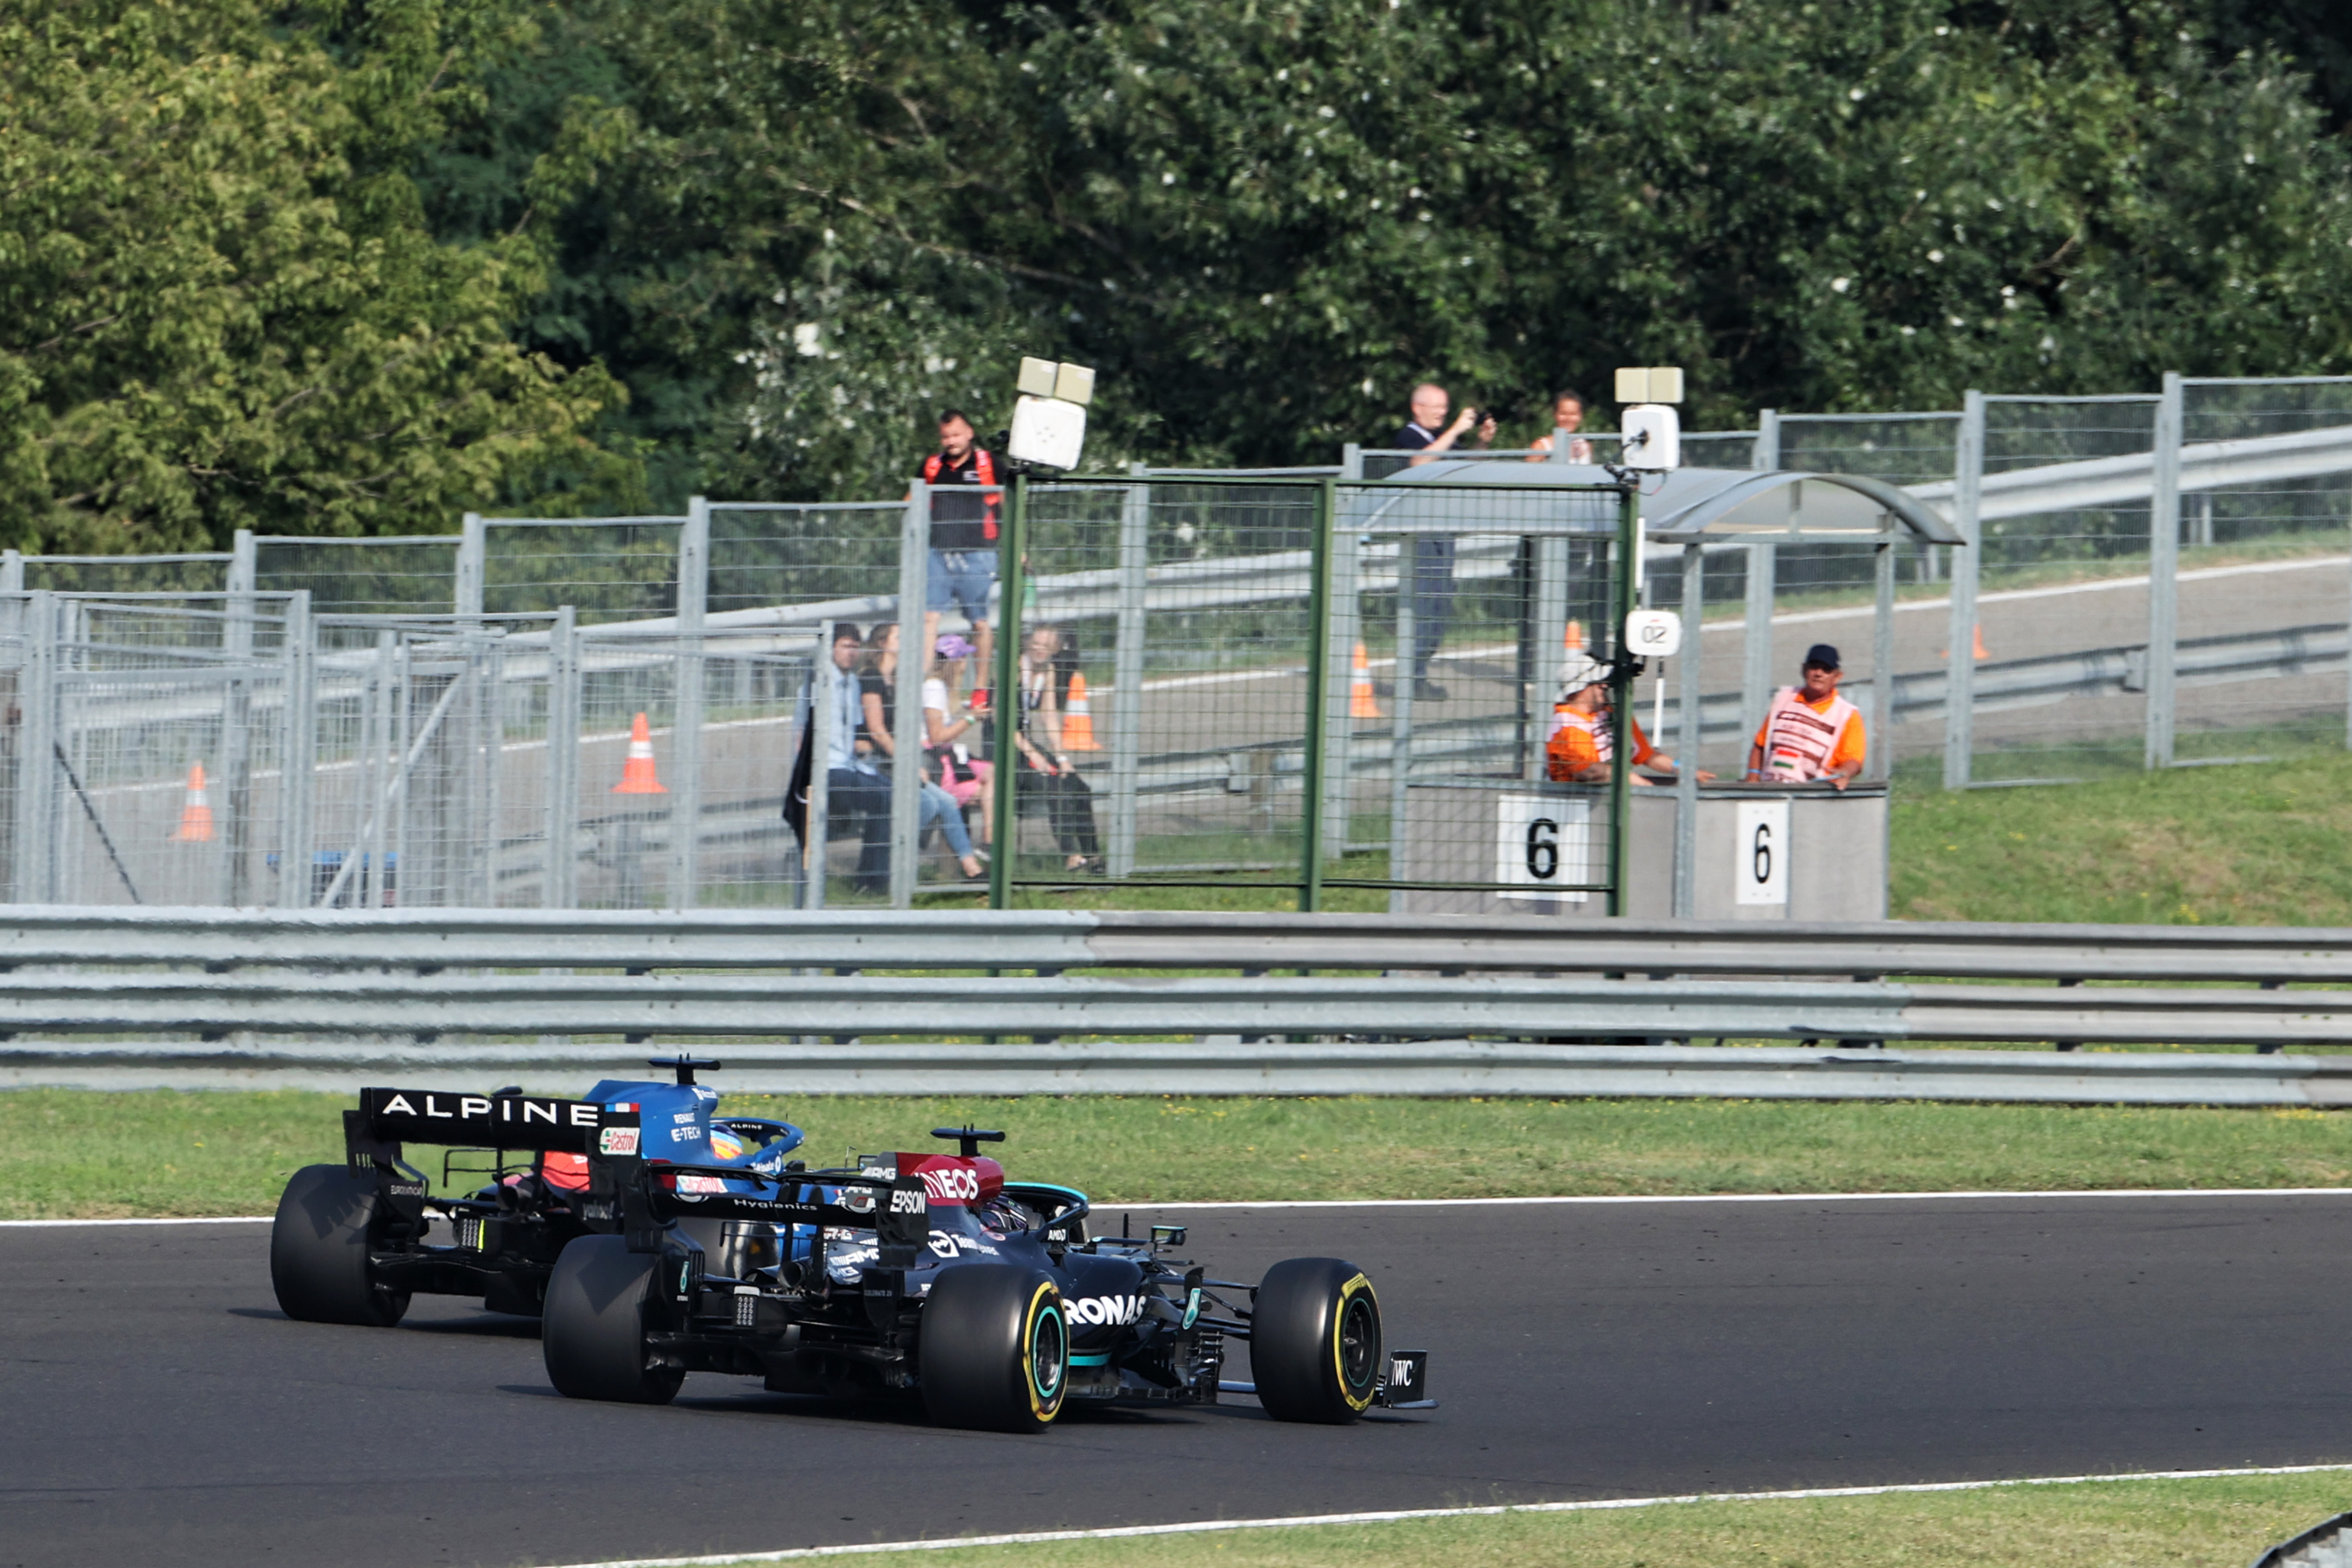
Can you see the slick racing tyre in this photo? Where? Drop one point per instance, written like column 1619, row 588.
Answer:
column 318, row 1251
column 593, row 1331
column 1314, row 1340
column 995, row 1348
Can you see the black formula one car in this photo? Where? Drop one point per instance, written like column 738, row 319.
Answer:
column 352, row 1243
column 932, row 1274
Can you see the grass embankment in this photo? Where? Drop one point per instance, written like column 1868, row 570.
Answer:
column 2261, row 844
column 2254, row 844
column 66, row 1154
column 2218, row 1522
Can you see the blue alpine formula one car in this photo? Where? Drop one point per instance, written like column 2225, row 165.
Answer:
column 932, row 1274
column 352, row 1243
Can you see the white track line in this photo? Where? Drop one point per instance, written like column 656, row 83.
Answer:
column 1039, row 1537
column 1750, row 1198
column 1472, row 1203
column 220, row 1219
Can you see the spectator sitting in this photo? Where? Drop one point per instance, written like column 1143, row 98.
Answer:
column 952, row 736
column 1069, row 803
column 877, row 699
column 1567, row 418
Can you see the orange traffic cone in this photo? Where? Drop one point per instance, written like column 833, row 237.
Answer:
column 637, row 773
column 1360, row 689
column 1078, row 719
column 1572, row 639
column 196, row 817
column 1980, row 647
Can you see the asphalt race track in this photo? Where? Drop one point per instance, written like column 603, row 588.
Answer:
column 159, row 1409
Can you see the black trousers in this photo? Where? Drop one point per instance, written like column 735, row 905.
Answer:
column 863, row 799
column 1069, row 806
column 1433, row 600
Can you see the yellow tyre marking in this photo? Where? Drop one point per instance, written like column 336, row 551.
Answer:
column 1029, row 1355
column 1338, row 1321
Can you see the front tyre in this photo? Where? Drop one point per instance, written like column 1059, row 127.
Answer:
column 593, row 1330
column 1314, row 1340
column 318, row 1251
column 995, row 1351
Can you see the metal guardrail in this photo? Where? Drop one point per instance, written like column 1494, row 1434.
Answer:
column 1440, row 1068
column 1423, row 1006
column 328, row 941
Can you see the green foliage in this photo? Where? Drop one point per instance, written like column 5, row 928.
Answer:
column 222, row 307
column 355, row 266
column 1264, row 221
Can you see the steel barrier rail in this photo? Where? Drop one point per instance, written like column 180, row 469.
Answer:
column 1438, row 1067
column 342, row 939
column 1567, row 1007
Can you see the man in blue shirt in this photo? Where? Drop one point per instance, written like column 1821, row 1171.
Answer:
column 858, row 788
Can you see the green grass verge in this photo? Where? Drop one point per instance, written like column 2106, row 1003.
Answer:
column 2220, row 1522
column 66, row 1153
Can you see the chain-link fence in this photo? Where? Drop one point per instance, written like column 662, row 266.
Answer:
column 1252, row 678
column 2261, row 591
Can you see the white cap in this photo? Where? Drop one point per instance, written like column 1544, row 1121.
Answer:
column 1578, row 670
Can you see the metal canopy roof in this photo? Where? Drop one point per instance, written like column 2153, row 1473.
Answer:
column 1690, row 505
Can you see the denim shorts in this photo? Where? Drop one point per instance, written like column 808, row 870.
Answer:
column 961, row 577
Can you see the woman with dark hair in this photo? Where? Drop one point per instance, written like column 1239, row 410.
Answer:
column 1069, row 803
column 878, row 690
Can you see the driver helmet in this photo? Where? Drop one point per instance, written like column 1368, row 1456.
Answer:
column 991, row 1177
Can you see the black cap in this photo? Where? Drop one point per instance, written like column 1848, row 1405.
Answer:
column 1821, row 656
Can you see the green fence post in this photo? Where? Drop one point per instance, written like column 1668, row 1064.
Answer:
column 1006, row 701
column 1627, row 590
column 1318, row 640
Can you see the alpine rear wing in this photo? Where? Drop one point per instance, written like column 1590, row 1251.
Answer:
column 389, row 1117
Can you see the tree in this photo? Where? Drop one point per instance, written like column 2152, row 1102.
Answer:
column 222, row 307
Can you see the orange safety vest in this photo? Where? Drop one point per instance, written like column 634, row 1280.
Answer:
column 986, row 467
column 1597, row 729
column 1798, row 741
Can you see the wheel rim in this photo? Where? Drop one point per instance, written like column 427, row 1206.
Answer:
column 1359, row 1340
column 1050, row 1355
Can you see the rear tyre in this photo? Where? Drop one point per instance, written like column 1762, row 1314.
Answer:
column 1314, row 1340
column 318, row 1251
column 592, row 1331
column 995, row 1348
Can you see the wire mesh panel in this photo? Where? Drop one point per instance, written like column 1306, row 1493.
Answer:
column 160, row 748
column 838, row 562
column 608, row 569
column 426, row 780
column 111, row 574
column 1822, row 592
column 1164, row 679
column 627, row 742
column 2062, row 604
column 2265, row 518
column 745, row 853
column 1471, row 601
column 362, row 576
